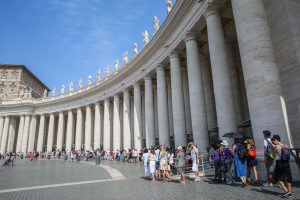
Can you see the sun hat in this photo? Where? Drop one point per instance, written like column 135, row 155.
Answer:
column 179, row 147
column 224, row 142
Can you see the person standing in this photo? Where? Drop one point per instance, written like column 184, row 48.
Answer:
column 146, row 163
column 227, row 157
column 268, row 158
column 282, row 173
column 251, row 159
column 195, row 160
column 240, row 156
column 180, row 163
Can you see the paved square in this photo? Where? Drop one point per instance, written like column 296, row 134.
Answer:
column 57, row 179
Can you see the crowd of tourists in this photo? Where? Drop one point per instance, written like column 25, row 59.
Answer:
column 238, row 160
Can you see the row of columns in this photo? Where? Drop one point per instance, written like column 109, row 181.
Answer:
column 213, row 98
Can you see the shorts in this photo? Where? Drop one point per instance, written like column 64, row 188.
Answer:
column 270, row 165
column 180, row 170
column 195, row 167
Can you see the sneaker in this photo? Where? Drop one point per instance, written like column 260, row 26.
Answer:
column 197, row 179
column 286, row 195
column 268, row 185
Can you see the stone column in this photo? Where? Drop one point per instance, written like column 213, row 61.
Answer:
column 32, row 133
column 12, row 134
column 261, row 73
column 20, row 134
column 197, row 98
column 170, row 109
column 237, row 95
column 208, row 92
column 78, row 137
column 137, row 116
column 60, row 130
column 51, row 130
column 1, row 127
column 126, row 120
column 187, row 105
column 177, row 100
column 117, row 124
column 149, row 112
column 70, row 131
column 220, row 72
column 25, row 134
column 106, row 125
column 88, row 128
column 5, row 134
column 162, row 107
column 97, row 126
column 41, row 136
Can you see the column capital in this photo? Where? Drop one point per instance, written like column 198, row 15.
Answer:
column 211, row 10
column 189, row 36
column 174, row 54
column 79, row 108
column 97, row 103
column 160, row 67
column 116, row 96
column 137, row 84
column 126, row 90
column 88, row 106
column 148, row 78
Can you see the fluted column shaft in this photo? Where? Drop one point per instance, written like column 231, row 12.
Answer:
column 162, row 107
column 265, row 95
column 106, row 125
column 60, row 130
column 137, row 116
column 20, row 134
column 149, row 112
column 97, row 126
column 78, row 137
column 70, row 131
column 88, row 128
column 32, row 133
column 221, row 73
column 117, row 124
column 5, row 134
column 177, row 100
column 197, row 98
column 51, row 130
column 41, row 135
column 126, row 120
column 25, row 134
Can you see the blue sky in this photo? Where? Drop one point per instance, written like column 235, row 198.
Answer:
column 65, row 40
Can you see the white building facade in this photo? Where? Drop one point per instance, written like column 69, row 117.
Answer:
column 213, row 67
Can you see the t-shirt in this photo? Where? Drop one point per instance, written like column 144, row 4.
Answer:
column 157, row 155
column 180, row 159
column 278, row 152
column 194, row 153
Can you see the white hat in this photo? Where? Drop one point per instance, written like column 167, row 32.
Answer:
column 224, row 142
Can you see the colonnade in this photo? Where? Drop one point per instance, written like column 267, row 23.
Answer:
column 193, row 89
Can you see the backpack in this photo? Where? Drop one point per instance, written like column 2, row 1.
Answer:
column 251, row 151
column 269, row 150
column 242, row 152
column 215, row 155
column 285, row 153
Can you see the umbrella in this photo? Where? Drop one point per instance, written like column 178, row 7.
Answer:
column 233, row 135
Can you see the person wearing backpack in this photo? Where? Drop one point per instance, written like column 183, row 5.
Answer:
column 240, row 155
column 215, row 156
column 282, row 173
column 251, row 159
column 227, row 159
column 268, row 158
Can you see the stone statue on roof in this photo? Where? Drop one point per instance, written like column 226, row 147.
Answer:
column 71, row 87
column 54, row 92
column 169, row 6
column 116, row 65
column 45, row 93
column 145, row 37
column 135, row 49
column 62, row 91
column 80, row 84
column 89, row 81
column 98, row 77
column 125, row 57
column 155, row 22
column 107, row 71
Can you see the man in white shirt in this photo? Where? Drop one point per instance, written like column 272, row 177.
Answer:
column 195, row 159
column 157, row 159
column 268, row 158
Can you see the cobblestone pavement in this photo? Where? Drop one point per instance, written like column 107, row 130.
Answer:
column 86, row 181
